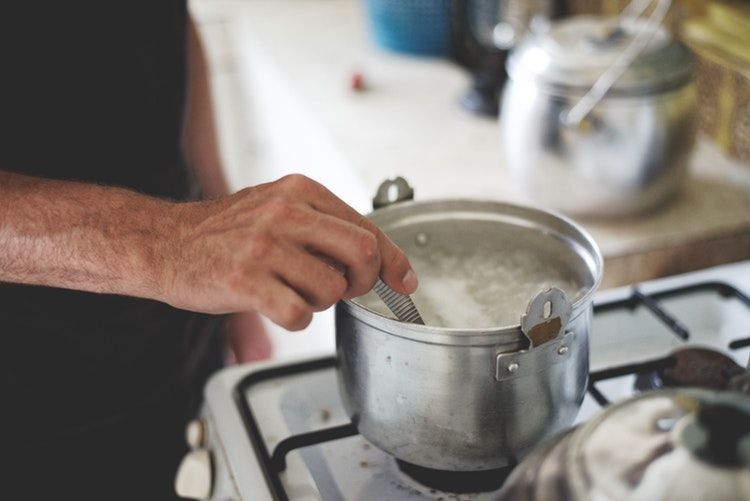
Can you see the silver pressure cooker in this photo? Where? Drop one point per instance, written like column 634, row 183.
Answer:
column 598, row 117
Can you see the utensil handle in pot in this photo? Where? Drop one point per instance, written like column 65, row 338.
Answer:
column 578, row 113
column 392, row 191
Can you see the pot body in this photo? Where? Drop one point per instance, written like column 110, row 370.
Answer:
column 472, row 396
column 440, row 404
column 629, row 156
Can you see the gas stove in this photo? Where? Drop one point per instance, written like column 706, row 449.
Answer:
column 277, row 430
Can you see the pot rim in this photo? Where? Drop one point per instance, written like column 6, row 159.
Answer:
column 434, row 334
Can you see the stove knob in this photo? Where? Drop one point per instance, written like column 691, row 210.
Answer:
column 194, row 476
column 195, row 433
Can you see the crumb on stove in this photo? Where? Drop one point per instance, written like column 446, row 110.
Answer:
column 363, row 464
column 325, row 415
column 366, row 446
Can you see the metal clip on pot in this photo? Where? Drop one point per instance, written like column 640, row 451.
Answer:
column 392, row 191
column 544, row 324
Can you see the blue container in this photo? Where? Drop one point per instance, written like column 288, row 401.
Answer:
column 420, row 27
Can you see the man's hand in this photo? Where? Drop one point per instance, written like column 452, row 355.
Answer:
column 285, row 249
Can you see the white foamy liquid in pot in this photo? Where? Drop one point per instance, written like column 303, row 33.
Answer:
column 479, row 290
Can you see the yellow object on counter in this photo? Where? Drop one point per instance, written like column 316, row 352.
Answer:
column 721, row 42
column 732, row 17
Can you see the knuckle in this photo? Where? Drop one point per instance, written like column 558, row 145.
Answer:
column 295, row 182
column 277, row 208
column 295, row 316
column 368, row 247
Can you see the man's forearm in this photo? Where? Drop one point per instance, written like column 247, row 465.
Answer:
column 104, row 239
column 81, row 236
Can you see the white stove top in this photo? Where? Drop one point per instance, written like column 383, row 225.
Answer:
column 351, row 469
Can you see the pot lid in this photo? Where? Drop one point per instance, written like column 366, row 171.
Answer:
column 665, row 445
column 573, row 53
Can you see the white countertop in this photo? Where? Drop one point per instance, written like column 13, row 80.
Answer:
column 291, row 63
column 295, row 59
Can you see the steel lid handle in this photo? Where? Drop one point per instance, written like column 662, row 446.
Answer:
column 544, row 324
column 547, row 315
column 392, row 191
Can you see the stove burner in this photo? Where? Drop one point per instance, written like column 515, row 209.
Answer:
column 458, row 482
column 697, row 367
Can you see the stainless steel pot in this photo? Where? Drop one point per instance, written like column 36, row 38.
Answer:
column 473, row 397
column 666, row 445
column 598, row 118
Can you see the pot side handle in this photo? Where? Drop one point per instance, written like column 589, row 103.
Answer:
column 518, row 364
column 392, row 191
column 545, row 324
column 547, row 316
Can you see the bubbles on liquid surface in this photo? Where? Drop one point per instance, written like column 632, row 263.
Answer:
column 479, row 289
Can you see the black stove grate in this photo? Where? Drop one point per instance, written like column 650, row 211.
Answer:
column 275, row 463
column 651, row 302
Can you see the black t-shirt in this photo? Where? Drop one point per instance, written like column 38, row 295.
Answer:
column 94, row 91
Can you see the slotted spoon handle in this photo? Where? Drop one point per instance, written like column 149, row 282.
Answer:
column 400, row 305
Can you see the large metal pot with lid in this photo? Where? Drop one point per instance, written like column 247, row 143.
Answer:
column 665, row 445
column 502, row 362
column 598, row 118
